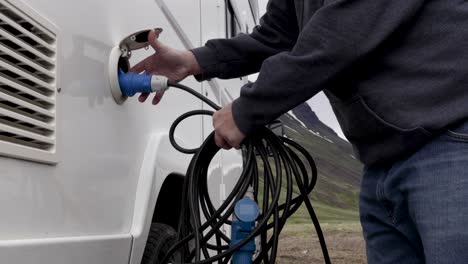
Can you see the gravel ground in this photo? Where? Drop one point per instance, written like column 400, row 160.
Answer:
column 299, row 244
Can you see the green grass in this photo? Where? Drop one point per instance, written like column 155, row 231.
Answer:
column 325, row 214
column 326, row 210
column 304, row 230
column 335, row 197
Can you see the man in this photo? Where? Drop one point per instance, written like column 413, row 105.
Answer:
column 396, row 73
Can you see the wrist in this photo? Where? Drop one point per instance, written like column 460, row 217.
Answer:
column 193, row 68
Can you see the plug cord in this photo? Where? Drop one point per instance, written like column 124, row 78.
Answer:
column 283, row 175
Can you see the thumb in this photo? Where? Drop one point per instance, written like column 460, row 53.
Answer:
column 154, row 42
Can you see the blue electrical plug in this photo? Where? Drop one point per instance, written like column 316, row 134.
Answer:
column 246, row 212
column 133, row 83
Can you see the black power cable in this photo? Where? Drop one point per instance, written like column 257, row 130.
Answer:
column 270, row 164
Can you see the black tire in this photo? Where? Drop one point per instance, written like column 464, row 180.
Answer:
column 160, row 239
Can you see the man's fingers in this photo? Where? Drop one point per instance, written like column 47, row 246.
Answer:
column 220, row 142
column 234, row 145
column 156, row 45
column 142, row 98
column 227, row 132
column 153, row 41
column 139, row 67
column 157, row 98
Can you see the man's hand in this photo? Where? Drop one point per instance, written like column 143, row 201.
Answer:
column 227, row 134
column 174, row 64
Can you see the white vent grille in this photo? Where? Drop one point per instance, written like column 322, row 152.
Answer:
column 27, row 85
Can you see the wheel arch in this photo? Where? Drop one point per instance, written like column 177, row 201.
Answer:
column 162, row 165
column 169, row 200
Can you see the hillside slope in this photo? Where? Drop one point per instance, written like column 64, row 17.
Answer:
column 336, row 194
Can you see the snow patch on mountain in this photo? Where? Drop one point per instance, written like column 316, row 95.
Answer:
column 318, row 135
column 297, row 119
column 311, row 131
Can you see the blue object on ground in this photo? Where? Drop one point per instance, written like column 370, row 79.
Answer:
column 246, row 211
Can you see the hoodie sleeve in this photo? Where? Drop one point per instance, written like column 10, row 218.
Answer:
column 244, row 54
column 335, row 38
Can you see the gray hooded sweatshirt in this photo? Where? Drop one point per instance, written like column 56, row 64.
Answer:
column 395, row 71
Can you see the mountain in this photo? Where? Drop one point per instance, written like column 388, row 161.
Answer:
column 336, row 193
column 304, row 113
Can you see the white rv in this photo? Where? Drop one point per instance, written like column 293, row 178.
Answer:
column 82, row 178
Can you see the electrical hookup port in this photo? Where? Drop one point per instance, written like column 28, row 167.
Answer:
column 119, row 63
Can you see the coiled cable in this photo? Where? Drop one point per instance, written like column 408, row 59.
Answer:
column 271, row 165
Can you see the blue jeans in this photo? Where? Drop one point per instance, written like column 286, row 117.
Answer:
column 416, row 210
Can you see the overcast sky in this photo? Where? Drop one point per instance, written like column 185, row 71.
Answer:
column 319, row 103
